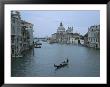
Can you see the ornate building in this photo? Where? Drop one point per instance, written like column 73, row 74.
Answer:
column 61, row 29
column 16, row 41
column 65, row 36
column 94, row 36
column 69, row 30
column 29, row 28
column 21, row 35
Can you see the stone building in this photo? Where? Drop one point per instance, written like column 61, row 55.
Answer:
column 29, row 29
column 25, row 36
column 76, row 38
column 61, row 29
column 21, row 35
column 65, row 36
column 94, row 36
column 86, row 39
column 69, row 30
column 16, row 41
column 60, row 34
column 69, row 35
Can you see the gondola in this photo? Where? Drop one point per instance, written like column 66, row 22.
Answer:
column 63, row 64
column 37, row 46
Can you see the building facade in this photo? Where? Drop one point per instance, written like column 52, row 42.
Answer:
column 16, row 41
column 21, row 34
column 25, row 36
column 29, row 29
column 86, row 39
column 65, row 36
column 94, row 36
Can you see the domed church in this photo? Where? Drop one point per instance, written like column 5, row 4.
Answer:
column 64, row 36
column 61, row 29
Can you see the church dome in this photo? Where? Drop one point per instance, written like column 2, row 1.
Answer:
column 61, row 28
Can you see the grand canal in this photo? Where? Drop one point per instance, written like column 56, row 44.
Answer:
column 83, row 62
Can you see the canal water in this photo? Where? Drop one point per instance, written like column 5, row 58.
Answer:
column 83, row 62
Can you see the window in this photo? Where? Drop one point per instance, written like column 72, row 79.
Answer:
column 12, row 51
column 13, row 20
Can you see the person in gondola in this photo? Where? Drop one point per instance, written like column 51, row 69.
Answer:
column 67, row 60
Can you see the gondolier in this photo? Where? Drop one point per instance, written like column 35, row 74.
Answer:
column 67, row 60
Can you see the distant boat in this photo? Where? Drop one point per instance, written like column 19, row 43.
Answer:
column 37, row 43
column 44, row 40
column 37, row 46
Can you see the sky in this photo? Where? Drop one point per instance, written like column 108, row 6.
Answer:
column 47, row 22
